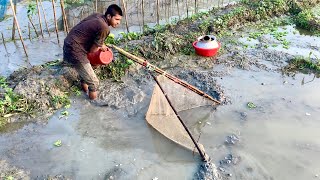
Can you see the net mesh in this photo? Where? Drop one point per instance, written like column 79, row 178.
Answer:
column 161, row 116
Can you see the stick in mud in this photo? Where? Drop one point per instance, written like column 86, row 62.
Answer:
column 39, row 16
column 44, row 16
column 13, row 22
column 55, row 20
column 65, row 22
column 4, row 43
column 142, row 11
column 178, row 8
column 187, row 6
column 17, row 23
column 35, row 30
column 158, row 18
column 29, row 31
column 125, row 14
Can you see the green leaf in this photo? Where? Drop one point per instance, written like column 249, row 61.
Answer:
column 58, row 143
column 250, row 105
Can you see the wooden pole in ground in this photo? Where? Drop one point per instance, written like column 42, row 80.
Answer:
column 39, row 15
column 29, row 31
column 195, row 7
column 64, row 16
column 13, row 23
column 158, row 18
column 178, row 8
column 34, row 27
column 4, row 43
column 142, row 12
column 55, row 20
column 17, row 24
column 187, row 5
column 44, row 15
column 96, row 3
column 125, row 14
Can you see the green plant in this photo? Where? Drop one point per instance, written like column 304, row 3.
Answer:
column 58, row 101
column 11, row 103
column 303, row 19
column 31, row 8
column 58, row 143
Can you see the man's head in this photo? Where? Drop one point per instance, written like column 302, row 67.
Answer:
column 113, row 15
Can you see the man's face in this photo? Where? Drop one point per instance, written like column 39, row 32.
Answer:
column 114, row 21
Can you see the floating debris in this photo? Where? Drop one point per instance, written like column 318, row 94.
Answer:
column 58, row 143
column 232, row 139
column 250, row 105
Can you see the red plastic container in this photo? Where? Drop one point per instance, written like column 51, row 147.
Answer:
column 100, row 57
column 206, row 52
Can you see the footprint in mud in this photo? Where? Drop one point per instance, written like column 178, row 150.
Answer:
column 114, row 173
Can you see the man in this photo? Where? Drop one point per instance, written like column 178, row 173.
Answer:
column 87, row 37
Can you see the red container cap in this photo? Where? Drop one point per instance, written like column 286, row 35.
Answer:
column 100, row 57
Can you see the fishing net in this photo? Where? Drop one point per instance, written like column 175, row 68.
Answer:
column 161, row 116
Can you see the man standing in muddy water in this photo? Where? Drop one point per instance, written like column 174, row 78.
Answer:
column 87, row 37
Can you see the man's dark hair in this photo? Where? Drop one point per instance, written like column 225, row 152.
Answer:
column 113, row 10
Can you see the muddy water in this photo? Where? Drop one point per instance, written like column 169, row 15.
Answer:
column 279, row 139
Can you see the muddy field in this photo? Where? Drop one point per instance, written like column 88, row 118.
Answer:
column 265, row 128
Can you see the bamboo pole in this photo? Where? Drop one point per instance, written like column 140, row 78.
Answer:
column 195, row 7
column 17, row 24
column 34, row 27
column 39, row 16
column 4, row 42
column 65, row 22
column 13, row 22
column 96, row 3
column 178, row 8
column 55, row 20
column 142, row 11
column 158, row 18
column 29, row 31
column 201, row 152
column 187, row 8
column 162, row 72
column 125, row 14
column 45, row 17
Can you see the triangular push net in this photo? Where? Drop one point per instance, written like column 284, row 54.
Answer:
column 161, row 116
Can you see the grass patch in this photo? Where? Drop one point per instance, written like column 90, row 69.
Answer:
column 304, row 65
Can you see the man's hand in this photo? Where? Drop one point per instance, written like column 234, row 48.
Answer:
column 104, row 48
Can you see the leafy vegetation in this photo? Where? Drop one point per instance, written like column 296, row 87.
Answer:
column 304, row 65
column 11, row 103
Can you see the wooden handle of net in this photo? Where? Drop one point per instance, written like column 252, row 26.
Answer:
column 145, row 63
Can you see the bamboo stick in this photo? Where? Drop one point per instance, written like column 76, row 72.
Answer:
column 201, row 152
column 39, row 16
column 64, row 16
column 96, row 3
column 162, row 72
column 178, row 8
column 29, row 32
column 195, row 6
column 125, row 14
column 187, row 8
column 55, row 20
column 142, row 11
column 45, row 17
column 34, row 27
column 13, row 23
column 158, row 18
column 17, row 24
column 4, row 42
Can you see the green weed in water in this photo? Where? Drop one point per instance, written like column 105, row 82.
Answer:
column 58, row 143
